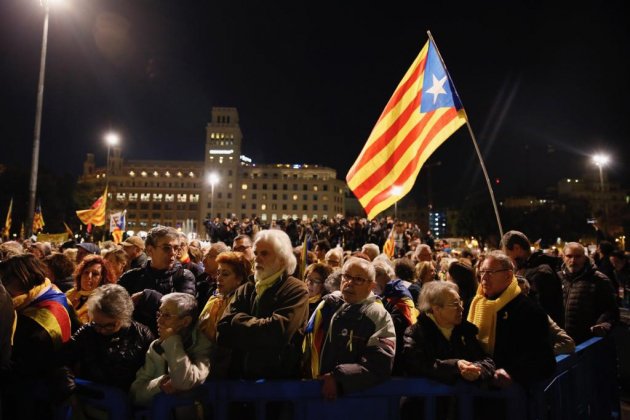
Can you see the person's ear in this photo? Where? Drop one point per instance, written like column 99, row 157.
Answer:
column 187, row 320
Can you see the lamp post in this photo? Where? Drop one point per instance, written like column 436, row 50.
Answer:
column 213, row 179
column 396, row 191
column 111, row 139
column 602, row 160
column 32, row 190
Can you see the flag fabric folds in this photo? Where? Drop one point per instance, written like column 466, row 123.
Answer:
column 68, row 230
column 38, row 219
column 95, row 215
column 117, row 225
column 421, row 114
column 6, row 231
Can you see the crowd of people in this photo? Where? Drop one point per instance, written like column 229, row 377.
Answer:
column 164, row 314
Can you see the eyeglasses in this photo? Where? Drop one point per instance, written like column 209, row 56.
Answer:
column 241, row 248
column 354, row 279
column 455, row 304
column 312, row 281
column 491, row 272
column 165, row 315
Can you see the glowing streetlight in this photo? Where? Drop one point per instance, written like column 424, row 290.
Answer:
column 213, row 179
column 396, row 191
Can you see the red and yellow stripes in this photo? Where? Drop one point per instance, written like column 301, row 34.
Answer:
column 400, row 143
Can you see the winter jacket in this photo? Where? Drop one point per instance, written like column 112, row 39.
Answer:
column 154, row 284
column 354, row 342
column 265, row 334
column 186, row 362
column 589, row 299
column 428, row 353
column 107, row 359
column 546, row 286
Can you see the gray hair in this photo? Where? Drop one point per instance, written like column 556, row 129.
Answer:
column 112, row 301
column 381, row 267
column 367, row 265
column 158, row 233
column 217, row 247
column 434, row 294
column 186, row 304
column 505, row 261
column 576, row 245
column 371, row 250
column 333, row 281
column 281, row 243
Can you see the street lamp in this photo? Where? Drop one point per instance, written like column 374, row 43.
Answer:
column 396, row 191
column 213, row 179
column 602, row 160
column 111, row 139
column 32, row 190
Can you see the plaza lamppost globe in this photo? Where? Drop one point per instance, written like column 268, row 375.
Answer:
column 213, row 179
column 396, row 192
column 601, row 160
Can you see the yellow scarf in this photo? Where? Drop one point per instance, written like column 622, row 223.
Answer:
column 211, row 314
column 483, row 313
column 264, row 284
column 78, row 299
column 22, row 301
column 315, row 298
column 446, row 332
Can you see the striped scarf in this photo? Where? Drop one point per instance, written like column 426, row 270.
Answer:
column 78, row 299
column 483, row 313
column 49, row 307
column 316, row 331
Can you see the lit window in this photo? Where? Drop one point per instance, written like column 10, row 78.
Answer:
column 155, row 173
column 157, row 197
column 295, row 197
column 244, row 186
column 145, row 197
column 263, row 207
column 179, row 174
column 169, row 197
column 143, row 173
column 133, row 196
column 132, row 173
column 191, row 174
column 167, row 174
column 181, row 198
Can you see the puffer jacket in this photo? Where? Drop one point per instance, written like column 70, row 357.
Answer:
column 107, row 359
column 589, row 299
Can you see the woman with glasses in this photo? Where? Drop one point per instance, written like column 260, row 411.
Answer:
column 111, row 348
column 442, row 345
column 315, row 275
column 179, row 359
column 92, row 272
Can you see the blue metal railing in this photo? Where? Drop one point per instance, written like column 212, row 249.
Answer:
column 584, row 386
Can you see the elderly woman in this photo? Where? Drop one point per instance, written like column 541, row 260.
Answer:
column 44, row 322
column 315, row 275
column 118, row 262
column 110, row 349
column 441, row 345
column 93, row 271
column 179, row 359
column 334, row 257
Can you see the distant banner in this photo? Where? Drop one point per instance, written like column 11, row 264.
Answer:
column 57, row 238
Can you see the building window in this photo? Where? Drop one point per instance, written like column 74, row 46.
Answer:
column 304, row 207
column 315, row 187
column 285, row 187
column 145, row 197
column 325, row 187
column 315, row 197
column 274, row 187
column 133, row 196
column 194, row 198
column 120, row 196
column 274, row 196
column 295, row 187
column 294, row 207
column 254, row 196
column 244, row 187
column 144, row 206
column 169, row 198
column 295, row 197
column 253, row 206
column 274, row 206
column 181, row 198
column 264, row 186
column 284, row 207
column 156, row 206
column 263, row 207
column 254, row 186
column 304, row 187
column 304, row 197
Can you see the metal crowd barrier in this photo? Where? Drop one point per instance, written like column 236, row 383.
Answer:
column 584, row 387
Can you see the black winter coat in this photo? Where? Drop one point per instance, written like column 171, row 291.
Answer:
column 589, row 299
column 428, row 353
column 546, row 286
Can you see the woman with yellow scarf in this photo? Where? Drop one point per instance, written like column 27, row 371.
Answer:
column 94, row 271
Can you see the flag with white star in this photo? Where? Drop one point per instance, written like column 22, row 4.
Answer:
column 421, row 114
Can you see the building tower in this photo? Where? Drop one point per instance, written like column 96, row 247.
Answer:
column 222, row 158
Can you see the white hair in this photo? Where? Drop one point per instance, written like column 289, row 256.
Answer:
column 281, row 243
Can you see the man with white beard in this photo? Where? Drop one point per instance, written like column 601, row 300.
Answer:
column 263, row 326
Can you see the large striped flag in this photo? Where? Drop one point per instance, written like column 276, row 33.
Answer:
column 421, row 114
column 6, row 231
column 38, row 219
column 117, row 225
column 95, row 215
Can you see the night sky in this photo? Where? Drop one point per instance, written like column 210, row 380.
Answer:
column 544, row 86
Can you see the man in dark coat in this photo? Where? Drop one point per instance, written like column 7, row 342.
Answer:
column 540, row 272
column 264, row 325
column 513, row 329
column 589, row 298
column 161, row 275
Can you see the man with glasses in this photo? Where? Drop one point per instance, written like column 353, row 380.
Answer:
column 243, row 243
column 162, row 274
column 513, row 329
column 351, row 341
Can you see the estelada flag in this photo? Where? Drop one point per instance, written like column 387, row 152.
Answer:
column 96, row 214
column 421, row 114
column 38, row 219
